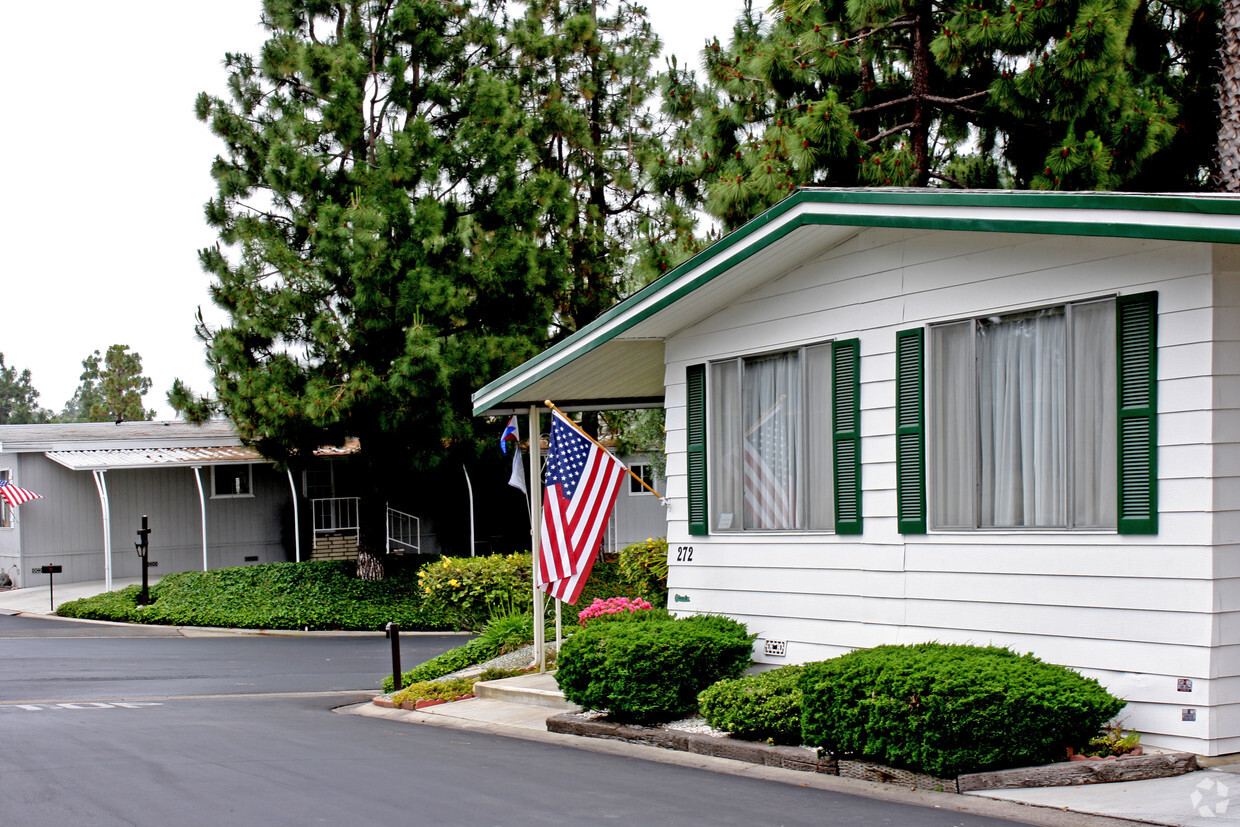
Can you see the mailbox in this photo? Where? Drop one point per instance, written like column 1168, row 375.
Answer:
column 50, row 570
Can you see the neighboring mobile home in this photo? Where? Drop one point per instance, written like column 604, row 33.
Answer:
column 211, row 501
column 986, row 417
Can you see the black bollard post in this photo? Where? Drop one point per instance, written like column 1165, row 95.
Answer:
column 393, row 631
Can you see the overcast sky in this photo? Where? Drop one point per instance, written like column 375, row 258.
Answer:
column 107, row 171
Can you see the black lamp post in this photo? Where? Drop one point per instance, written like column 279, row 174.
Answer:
column 141, row 547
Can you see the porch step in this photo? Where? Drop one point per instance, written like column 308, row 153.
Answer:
column 535, row 689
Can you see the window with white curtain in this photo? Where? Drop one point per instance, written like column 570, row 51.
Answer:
column 770, row 432
column 1023, row 420
column 6, row 511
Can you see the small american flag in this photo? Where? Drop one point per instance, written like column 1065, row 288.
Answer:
column 15, row 496
column 581, row 484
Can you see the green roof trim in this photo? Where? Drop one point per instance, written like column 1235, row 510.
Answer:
column 727, row 254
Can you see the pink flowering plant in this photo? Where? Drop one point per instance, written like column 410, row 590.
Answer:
column 612, row 606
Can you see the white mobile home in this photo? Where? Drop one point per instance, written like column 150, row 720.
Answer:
column 987, row 417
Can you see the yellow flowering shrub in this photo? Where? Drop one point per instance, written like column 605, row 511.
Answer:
column 469, row 589
column 643, row 565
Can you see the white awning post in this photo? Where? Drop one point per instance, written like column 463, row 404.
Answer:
column 470, row 486
column 296, row 522
column 540, row 631
column 202, row 509
column 102, row 487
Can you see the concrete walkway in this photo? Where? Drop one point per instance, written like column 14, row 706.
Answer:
column 1209, row 798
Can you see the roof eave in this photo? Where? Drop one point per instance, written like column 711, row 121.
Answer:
column 1194, row 218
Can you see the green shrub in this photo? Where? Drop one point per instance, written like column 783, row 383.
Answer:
column 650, row 669
column 509, row 632
column 948, row 709
column 468, row 590
column 472, row 652
column 314, row 595
column 762, row 707
column 120, row 606
column 643, row 565
column 450, row 689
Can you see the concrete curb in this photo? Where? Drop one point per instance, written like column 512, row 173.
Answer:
column 215, row 631
column 948, row 802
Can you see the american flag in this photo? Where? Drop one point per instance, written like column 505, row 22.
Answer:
column 770, row 488
column 15, row 496
column 581, row 484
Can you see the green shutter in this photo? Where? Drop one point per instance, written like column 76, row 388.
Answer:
column 695, row 421
column 846, row 434
column 1136, row 330
column 910, row 432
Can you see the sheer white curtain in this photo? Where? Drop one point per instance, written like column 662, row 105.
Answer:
column 1023, row 415
column 953, row 444
column 1022, row 418
column 1094, row 438
column 725, row 459
column 819, row 498
column 771, row 413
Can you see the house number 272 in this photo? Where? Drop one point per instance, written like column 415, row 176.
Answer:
column 684, row 554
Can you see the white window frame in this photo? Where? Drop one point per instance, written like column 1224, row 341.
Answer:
column 974, row 427
column 8, row 514
column 249, row 470
column 645, row 471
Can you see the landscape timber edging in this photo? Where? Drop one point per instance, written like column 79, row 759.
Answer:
column 803, row 759
column 1074, row 773
column 752, row 752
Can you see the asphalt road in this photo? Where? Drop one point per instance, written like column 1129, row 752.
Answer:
column 110, row 729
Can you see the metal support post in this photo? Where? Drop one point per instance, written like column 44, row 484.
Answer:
column 393, row 632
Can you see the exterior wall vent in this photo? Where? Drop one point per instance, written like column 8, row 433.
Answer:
column 775, row 648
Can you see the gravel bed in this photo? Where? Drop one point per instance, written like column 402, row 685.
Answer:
column 697, row 725
column 517, row 659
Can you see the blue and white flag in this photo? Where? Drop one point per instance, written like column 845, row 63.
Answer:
column 517, row 478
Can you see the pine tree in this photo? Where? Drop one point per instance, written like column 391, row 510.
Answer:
column 112, row 389
column 377, row 211
column 87, row 395
column 19, row 401
column 1031, row 93
column 1228, row 146
column 584, row 71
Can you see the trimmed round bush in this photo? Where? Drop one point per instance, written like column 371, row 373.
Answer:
column 762, row 707
column 650, row 669
column 950, row 709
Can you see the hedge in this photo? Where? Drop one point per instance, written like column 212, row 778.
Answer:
column 950, row 709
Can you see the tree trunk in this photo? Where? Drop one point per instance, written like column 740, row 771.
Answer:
column 1227, row 149
column 920, row 133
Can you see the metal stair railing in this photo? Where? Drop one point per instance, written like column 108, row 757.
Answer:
column 404, row 532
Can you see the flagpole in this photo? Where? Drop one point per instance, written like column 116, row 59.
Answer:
column 535, row 495
column 580, row 430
